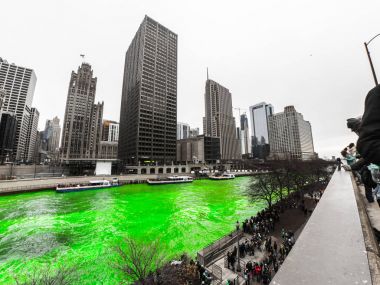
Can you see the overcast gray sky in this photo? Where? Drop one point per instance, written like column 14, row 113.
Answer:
column 309, row 54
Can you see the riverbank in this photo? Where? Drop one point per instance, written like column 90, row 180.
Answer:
column 40, row 184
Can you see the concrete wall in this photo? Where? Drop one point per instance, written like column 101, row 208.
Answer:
column 29, row 171
column 331, row 248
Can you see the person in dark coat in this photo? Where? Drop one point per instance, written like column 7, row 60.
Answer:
column 339, row 162
column 368, row 144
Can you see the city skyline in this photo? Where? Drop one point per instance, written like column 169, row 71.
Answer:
column 311, row 63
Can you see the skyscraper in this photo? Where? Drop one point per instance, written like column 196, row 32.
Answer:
column 194, row 132
column 19, row 83
column 32, row 135
column 2, row 98
column 244, row 135
column 110, row 131
column 8, row 128
column 259, row 114
column 290, row 136
column 219, row 120
column 148, row 113
column 51, row 136
column 83, row 119
column 183, row 131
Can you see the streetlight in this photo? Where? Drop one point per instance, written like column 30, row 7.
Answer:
column 369, row 58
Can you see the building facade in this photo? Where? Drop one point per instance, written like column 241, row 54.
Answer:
column 183, row 131
column 8, row 129
column 194, row 132
column 19, row 84
column 53, row 130
column 260, row 114
column 290, row 136
column 245, row 140
column 200, row 149
column 2, row 98
column 82, row 126
column 219, row 120
column 110, row 131
column 108, row 150
column 32, row 135
column 148, row 113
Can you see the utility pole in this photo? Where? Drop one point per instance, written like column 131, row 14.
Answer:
column 366, row 44
column 371, row 64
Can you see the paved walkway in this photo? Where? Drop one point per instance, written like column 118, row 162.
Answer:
column 292, row 219
column 25, row 185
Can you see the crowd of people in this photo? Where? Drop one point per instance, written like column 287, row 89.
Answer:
column 259, row 228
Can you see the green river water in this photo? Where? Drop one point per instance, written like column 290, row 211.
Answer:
column 79, row 229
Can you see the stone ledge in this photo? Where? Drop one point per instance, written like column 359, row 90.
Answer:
column 331, row 248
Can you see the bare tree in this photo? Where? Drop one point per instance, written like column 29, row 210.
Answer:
column 136, row 260
column 48, row 276
column 264, row 187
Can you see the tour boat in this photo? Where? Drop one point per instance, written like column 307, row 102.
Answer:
column 170, row 180
column 91, row 185
column 224, row 176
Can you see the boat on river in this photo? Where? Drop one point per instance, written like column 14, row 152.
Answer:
column 170, row 180
column 91, row 185
column 224, row 176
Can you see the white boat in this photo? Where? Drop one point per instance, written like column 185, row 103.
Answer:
column 170, row 180
column 224, row 176
column 91, row 185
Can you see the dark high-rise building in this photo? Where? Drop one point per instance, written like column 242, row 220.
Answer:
column 219, row 120
column 2, row 98
column 82, row 125
column 32, row 135
column 148, row 113
column 8, row 129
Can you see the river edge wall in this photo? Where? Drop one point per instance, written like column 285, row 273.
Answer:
column 30, row 171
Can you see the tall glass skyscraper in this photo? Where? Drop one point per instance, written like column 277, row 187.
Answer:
column 148, row 113
column 259, row 114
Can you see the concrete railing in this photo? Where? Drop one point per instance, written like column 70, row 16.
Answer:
column 331, row 248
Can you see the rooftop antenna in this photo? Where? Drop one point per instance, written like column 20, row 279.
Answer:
column 207, row 73
column 82, row 56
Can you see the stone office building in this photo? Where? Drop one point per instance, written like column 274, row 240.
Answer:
column 200, row 149
column 219, row 120
column 82, row 126
column 290, row 136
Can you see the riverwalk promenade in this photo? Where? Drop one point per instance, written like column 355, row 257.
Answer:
column 29, row 185
column 37, row 184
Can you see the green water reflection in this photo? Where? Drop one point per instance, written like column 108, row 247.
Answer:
column 78, row 229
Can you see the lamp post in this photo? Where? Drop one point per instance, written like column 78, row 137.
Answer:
column 369, row 58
